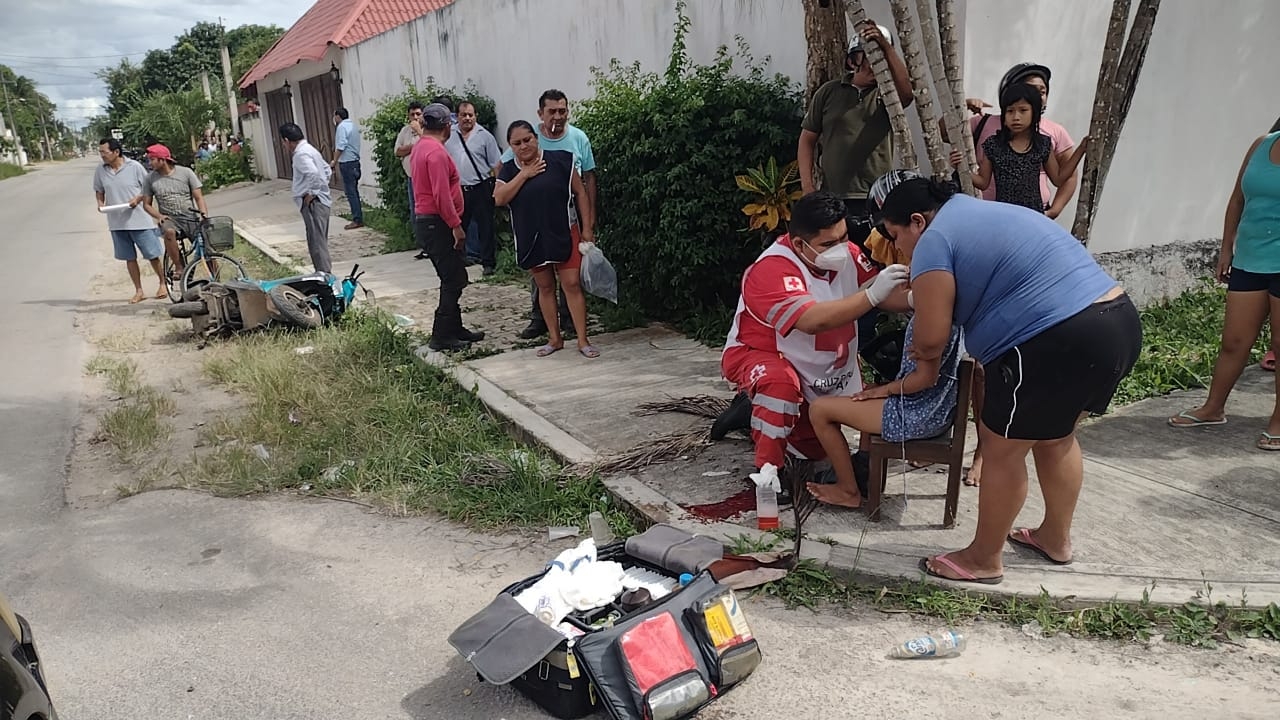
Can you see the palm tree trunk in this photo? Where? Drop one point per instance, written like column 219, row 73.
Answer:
column 1102, row 102
column 953, row 110
column 906, row 149
column 954, row 71
column 1126, row 84
column 827, row 38
column 922, row 87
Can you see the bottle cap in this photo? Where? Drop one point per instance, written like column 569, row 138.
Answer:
column 685, row 579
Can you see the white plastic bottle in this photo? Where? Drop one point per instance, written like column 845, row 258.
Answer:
column 944, row 643
column 767, row 487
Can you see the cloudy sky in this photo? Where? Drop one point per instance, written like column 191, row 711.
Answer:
column 60, row 43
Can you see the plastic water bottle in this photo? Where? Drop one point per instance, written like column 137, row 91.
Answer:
column 944, row 643
column 600, row 530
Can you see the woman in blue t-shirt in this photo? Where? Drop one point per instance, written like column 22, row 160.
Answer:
column 1249, row 262
column 1055, row 333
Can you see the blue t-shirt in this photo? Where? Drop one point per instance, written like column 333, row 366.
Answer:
column 1017, row 272
column 346, row 140
column 573, row 140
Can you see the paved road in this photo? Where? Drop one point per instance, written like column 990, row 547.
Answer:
column 173, row 605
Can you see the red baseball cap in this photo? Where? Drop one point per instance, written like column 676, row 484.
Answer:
column 159, row 151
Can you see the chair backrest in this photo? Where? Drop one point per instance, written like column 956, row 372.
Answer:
column 964, row 394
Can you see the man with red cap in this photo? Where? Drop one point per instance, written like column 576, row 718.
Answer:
column 173, row 197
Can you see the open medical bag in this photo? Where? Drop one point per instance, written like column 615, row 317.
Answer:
column 662, row 661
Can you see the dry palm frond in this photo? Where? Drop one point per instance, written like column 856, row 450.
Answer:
column 699, row 405
column 661, row 449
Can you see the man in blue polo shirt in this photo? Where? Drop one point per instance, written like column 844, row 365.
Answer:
column 555, row 133
column 346, row 160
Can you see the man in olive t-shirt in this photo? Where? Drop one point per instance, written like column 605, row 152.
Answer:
column 172, row 195
column 848, row 126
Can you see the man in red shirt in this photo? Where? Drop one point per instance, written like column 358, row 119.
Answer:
column 437, row 225
column 794, row 336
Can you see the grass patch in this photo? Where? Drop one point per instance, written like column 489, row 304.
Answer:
column 136, row 425
column 256, row 262
column 1180, row 343
column 398, row 232
column 359, row 416
column 8, row 170
column 1199, row 623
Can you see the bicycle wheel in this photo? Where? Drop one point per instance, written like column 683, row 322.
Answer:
column 213, row 267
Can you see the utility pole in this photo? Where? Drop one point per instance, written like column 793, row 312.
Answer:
column 13, row 123
column 231, row 95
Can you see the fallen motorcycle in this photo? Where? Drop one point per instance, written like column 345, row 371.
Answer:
column 305, row 301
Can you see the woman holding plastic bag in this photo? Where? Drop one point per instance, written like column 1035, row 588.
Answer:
column 536, row 185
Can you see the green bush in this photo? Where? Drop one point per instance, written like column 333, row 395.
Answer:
column 381, row 130
column 226, row 168
column 667, row 148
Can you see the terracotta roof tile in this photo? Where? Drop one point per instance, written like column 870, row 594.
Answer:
column 337, row 22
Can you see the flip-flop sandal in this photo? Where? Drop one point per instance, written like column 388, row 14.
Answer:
column 1192, row 420
column 964, row 575
column 1268, row 361
column 589, row 351
column 548, row 349
column 1022, row 538
column 1269, row 442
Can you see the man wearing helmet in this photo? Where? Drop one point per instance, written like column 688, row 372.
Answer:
column 984, row 126
column 847, row 128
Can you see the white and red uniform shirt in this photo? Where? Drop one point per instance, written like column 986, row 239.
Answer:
column 776, row 290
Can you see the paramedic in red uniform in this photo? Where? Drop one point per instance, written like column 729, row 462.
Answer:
column 794, row 336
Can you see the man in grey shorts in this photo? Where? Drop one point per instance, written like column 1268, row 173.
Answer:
column 311, row 193
column 119, row 181
column 178, row 201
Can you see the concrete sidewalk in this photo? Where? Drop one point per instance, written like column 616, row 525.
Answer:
column 1165, row 511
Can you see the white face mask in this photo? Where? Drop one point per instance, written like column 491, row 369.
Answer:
column 835, row 258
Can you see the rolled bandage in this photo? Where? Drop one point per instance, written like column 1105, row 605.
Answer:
column 114, row 208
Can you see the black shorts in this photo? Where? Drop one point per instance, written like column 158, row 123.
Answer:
column 1039, row 389
column 1245, row 281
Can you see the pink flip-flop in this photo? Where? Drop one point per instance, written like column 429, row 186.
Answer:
column 589, row 352
column 1268, row 361
column 548, row 349
column 1022, row 538
column 963, row 575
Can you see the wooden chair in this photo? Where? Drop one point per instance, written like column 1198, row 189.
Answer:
column 947, row 448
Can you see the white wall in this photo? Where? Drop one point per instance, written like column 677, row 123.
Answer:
column 1205, row 93
column 294, row 75
column 515, row 49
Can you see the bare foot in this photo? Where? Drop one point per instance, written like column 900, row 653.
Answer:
column 137, row 297
column 162, row 293
column 973, row 478
column 835, row 495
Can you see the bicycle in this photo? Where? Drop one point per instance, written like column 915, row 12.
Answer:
column 202, row 260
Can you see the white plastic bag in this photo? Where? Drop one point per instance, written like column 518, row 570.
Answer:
column 597, row 274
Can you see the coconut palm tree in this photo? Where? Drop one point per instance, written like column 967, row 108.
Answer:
column 953, row 110
column 1117, row 81
column 906, row 149
column 922, row 85
column 949, row 40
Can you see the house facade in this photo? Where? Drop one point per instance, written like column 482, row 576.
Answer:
column 1198, row 103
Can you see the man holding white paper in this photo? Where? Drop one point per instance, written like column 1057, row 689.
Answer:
column 118, row 183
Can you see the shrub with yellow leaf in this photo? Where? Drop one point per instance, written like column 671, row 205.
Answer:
column 774, row 189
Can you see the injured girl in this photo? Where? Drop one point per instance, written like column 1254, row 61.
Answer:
column 917, row 405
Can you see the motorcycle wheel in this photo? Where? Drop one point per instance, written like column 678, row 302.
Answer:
column 295, row 307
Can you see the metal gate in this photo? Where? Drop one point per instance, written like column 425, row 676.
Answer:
column 321, row 95
column 279, row 112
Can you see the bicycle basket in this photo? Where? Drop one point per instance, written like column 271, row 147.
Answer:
column 219, row 233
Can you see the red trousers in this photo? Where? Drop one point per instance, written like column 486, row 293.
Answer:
column 779, row 413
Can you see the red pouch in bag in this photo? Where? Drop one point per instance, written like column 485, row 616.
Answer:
column 663, row 676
